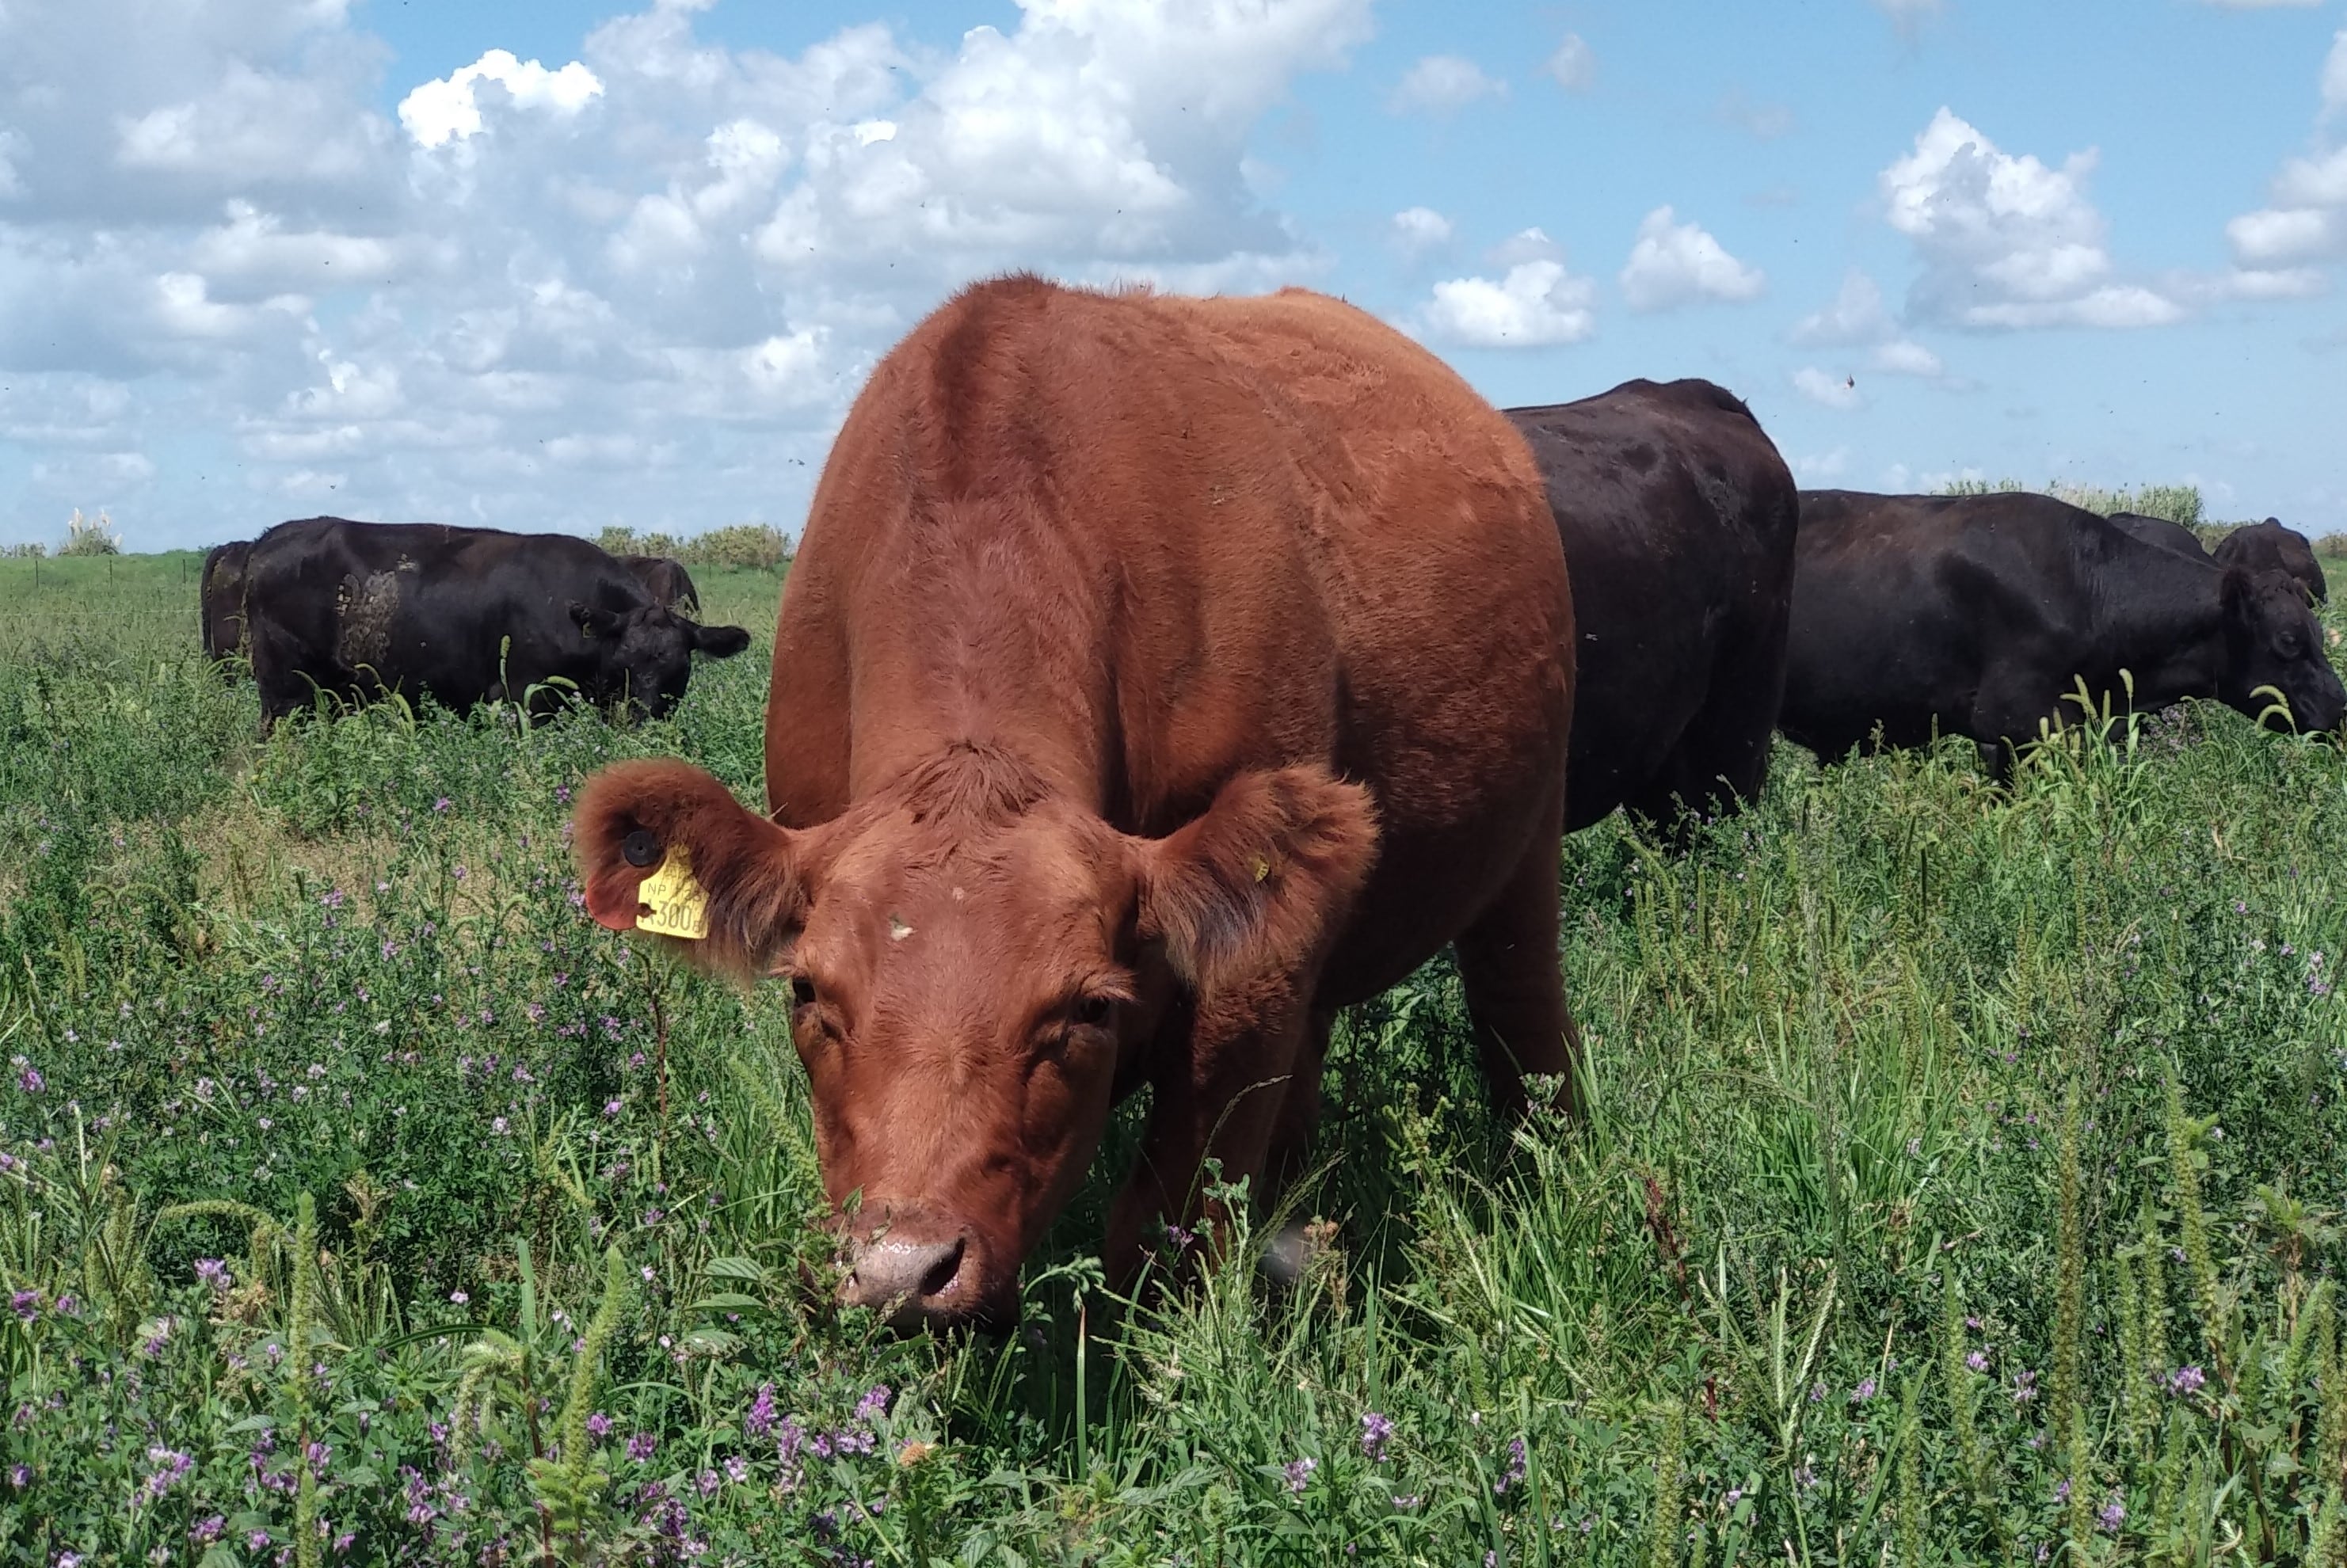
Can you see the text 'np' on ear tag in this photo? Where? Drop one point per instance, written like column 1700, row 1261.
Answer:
column 672, row 904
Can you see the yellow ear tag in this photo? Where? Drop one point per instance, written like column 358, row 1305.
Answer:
column 1262, row 868
column 674, row 905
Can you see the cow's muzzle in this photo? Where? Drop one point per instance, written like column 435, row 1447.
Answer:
column 917, row 1281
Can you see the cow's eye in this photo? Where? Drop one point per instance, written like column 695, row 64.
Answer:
column 1094, row 1012
column 802, row 991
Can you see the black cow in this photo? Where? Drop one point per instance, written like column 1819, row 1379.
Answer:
column 665, row 578
column 1975, row 615
column 220, row 602
column 2269, row 547
column 468, row 615
column 2162, row 532
column 1678, row 517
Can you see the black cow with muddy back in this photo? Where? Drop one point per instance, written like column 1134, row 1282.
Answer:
column 1977, row 615
column 466, row 615
column 1677, row 516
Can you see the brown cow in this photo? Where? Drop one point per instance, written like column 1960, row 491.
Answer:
column 1157, row 676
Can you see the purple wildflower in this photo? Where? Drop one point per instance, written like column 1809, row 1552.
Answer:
column 1863, row 1392
column 759, row 1419
column 20, row 1476
column 208, row 1529
column 2185, row 1381
column 1299, row 1472
column 875, row 1402
column 212, row 1271
column 1518, row 1457
column 640, row 1446
column 1377, row 1430
column 1977, row 1360
column 599, row 1426
column 31, row 1082
column 25, row 1304
column 2112, row 1514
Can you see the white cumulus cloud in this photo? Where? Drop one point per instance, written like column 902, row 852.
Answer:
column 2007, row 242
column 1442, row 84
column 449, row 108
column 1673, row 263
column 1858, row 317
column 1418, row 229
column 2304, row 225
column 1535, row 304
column 1573, row 65
column 1819, row 386
column 543, row 290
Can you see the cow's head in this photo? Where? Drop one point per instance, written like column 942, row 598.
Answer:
column 2271, row 639
column 970, row 960
column 647, row 652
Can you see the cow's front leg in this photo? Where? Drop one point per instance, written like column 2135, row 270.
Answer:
column 1218, row 1097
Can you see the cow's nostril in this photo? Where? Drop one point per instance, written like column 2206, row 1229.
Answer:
column 941, row 1273
column 907, row 1279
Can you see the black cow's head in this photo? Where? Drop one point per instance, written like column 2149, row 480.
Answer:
column 647, row 653
column 2271, row 639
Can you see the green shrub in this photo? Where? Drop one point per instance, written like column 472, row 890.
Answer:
column 747, row 547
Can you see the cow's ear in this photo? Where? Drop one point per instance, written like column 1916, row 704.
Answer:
column 596, row 623
column 720, row 641
column 635, row 820
column 1259, row 885
column 2233, row 594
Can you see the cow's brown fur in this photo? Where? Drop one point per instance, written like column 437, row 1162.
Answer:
column 1156, row 676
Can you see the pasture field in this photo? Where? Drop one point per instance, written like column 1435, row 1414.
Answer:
column 1964, row 1185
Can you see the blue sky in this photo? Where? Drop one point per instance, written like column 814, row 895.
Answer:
column 287, row 256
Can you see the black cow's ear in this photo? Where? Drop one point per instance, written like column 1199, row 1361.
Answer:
column 2233, row 593
column 595, row 622
column 720, row 641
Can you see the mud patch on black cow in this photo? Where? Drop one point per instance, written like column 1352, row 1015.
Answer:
column 364, row 609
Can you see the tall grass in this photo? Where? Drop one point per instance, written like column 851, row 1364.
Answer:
column 1961, row 1183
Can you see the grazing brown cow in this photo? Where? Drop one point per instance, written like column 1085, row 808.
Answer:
column 1157, row 676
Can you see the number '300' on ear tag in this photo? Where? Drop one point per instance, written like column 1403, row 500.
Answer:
column 672, row 903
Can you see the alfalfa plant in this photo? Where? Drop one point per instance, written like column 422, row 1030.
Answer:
column 512, row 1371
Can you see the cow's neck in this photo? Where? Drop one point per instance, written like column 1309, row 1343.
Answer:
column 2173, row 627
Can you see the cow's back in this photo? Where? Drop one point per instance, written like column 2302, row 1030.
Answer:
column 1677, row 516
column 1246, row 533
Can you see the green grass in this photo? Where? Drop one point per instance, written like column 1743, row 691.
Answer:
column 1883, row 1226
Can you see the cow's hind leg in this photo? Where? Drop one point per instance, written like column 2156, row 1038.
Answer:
column 1514, row 980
